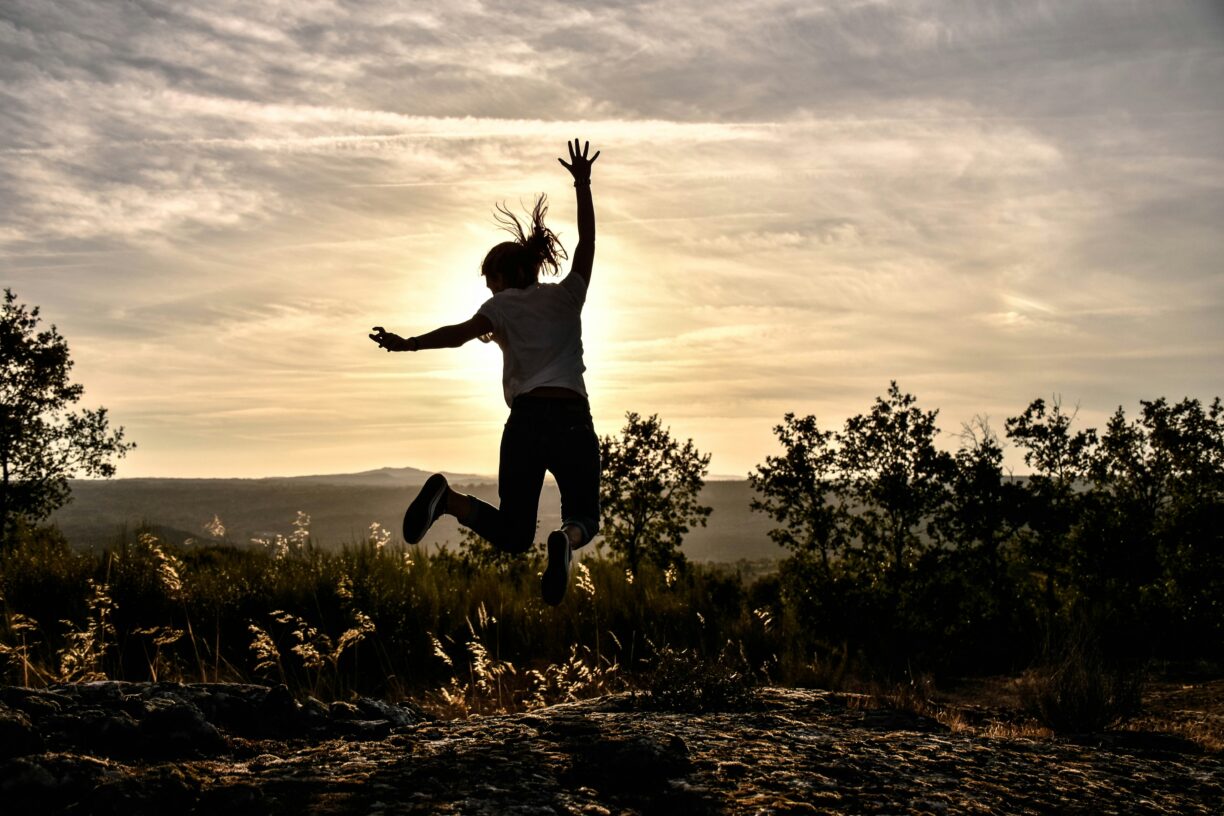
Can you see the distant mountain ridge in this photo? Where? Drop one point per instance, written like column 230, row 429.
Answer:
column 379, row 477
column 343, row 506
column 390, row 477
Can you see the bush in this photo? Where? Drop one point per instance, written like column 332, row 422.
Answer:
column 1083, row 691
column 682, row 680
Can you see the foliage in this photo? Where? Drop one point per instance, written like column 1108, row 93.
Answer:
column 42, row 442
column 649, row 492
column 904, row 556
column 982, row 510
column 897, row 479
column 1059, row 461
column 1150, row 544
column 1083, row 690
column 682, row 680
column 796, row 489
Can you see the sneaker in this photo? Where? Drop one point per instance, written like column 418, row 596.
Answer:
column 556, row 576
column 425, row 509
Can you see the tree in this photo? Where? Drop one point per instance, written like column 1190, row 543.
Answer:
column 795, row 491
column 649, row 491
column 1059, row 460
column 896, row 478
column 1118, row 541
column 1159, row 515
column 1191, row 523
column 1174, row 453
column 42, row 442
column 982, row 507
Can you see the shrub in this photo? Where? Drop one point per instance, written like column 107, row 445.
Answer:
column 1083, row 691
column 682, row 680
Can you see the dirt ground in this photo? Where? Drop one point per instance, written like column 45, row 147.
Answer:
column 127, row 748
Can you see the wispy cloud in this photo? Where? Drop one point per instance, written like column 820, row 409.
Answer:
column 798, row 201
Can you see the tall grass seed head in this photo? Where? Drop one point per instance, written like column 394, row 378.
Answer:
column 585, row 584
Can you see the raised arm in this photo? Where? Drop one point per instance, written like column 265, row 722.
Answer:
column 580, row 168
column 445, row 337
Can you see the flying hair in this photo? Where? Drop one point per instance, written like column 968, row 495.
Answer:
column 520, row 261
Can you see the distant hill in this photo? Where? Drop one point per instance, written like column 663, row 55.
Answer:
column 343, row 506
column 386, row 477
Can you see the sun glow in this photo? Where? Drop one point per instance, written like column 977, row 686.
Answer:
column 601, row 324
column 788, row 218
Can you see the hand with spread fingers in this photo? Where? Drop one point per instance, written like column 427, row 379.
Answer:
column 579, row 165
column 388, row 340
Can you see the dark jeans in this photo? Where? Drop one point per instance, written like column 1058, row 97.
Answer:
column 542, row 433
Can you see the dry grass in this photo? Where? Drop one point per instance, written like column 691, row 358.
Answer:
column 1192, row 710
column 993, row 708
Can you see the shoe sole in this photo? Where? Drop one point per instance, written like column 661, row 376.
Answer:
column 556, row 575
column 424, row 511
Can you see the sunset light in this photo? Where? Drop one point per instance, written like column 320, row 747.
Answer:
column 215, row 208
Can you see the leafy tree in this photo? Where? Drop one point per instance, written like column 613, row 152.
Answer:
column 982, row 505
column 1059, row 461
column 796, row 490
column 649, row 492
column 1169, row 452
column 980, row 608
column 896, row 478
column 1131, row 482
column 1160, row 508
column 42, row 442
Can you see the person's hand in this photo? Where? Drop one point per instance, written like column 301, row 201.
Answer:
column 579, row 165
column 388, row 340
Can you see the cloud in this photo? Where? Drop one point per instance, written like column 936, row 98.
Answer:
column 798, row 201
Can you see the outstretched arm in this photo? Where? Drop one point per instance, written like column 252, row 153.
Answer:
column 580, row 168
column 445, row 337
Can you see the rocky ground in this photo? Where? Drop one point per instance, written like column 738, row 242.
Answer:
column 236, row 749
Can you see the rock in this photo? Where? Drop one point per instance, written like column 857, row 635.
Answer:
column 317, row 712
column 239, row 799
column 166, row 789
column 234, row 707
column 93, row 730
column 34, row 703
column 378, row 710
column 887, row 719
column 101, row 691
column 637, row 764
column 19, row 778
column 642, row 772
column 52, row 784
column 801, row 752
column 278, row 712
column 17, row 734
column 172, row 727
column 361, row 729
column 341, row 710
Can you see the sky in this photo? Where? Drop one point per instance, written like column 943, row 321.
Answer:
column 797, row 202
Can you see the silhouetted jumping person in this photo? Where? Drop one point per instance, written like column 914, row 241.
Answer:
column 539, row 329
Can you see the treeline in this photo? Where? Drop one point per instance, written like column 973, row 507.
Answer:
column 905, row 555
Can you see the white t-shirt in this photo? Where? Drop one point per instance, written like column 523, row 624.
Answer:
column 539, row 330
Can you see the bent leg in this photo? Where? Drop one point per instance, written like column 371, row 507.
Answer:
column 520, row 478
column 574, row 461
column 520, row 505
